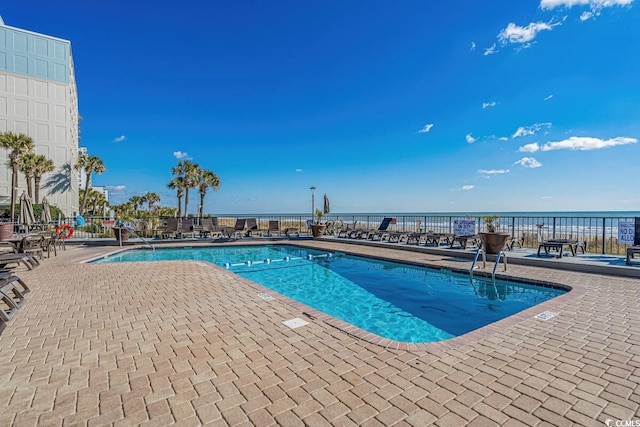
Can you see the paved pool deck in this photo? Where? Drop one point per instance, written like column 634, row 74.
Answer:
column 189, row 343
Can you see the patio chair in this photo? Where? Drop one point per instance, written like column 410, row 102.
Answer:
column 32, row 244
column 170, row 229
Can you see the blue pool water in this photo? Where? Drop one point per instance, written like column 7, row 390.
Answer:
column 396, row 301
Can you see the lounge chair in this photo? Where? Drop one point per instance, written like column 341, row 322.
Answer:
column 631, row 251
column 210, row 227
column 8, row 276
column 10, row 258
column 186, row 228
column 274, row 228
column 171, row 229
column 238, row 230
column 379, row 232
column 349, row 231
column 253, row 229
column 436, row 239
column 8, row 307
column 559, row 245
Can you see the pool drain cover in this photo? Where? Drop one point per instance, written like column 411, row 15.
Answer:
column 546, row 315
column 294, row 323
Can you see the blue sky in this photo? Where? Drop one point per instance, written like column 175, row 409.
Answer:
column 408, row 107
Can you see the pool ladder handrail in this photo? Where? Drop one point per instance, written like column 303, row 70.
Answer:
column 133, row 232
column 501, row 255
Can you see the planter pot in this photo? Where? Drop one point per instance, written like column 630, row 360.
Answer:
column 122, row 234
column 6, row 230
column 493, row 243
column 318, row 230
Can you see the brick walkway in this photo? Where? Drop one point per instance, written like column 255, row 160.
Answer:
column 192, row 344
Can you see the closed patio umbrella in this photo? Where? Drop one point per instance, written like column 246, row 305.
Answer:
column 26, row 210
column 45, row 215
column 327, row 207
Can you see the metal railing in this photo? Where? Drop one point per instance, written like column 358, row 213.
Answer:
column 600, row 233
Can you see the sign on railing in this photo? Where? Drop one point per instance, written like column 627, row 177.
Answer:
column 629, row 232
column 464, row 227
column 626, row 232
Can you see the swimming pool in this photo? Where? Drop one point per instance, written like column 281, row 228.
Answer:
column 393, row 300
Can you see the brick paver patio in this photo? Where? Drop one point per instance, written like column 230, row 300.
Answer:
column 189, row 343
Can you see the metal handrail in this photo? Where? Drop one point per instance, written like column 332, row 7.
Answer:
column 133, row 231
column 502, row 255
column 475, row 260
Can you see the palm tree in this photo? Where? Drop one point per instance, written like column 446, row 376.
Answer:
column 89, row 164
column 188, row 171
column 136, row 202
column 18, row 145
column 43, row 165
column 151, row 199
column 27, row 165
column 177, row 184
column 205, row 180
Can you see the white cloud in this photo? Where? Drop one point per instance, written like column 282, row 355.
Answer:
column 552, row 4
column 491, row 50
column 546, row 98
column 489, row 104
column 529, row 148
column 470, row 139
column 516, row 34
column 595, row 6
column 493, row 171
column 503, row 138
column 116, row 188
column 426, row 128
column 472, row 47
column 467, row 187
column 585, row 143
column 530, row 130
column 181, row 155
column 120, row 138
column 298, row 170
column 528, row 162
column 546, row 197
column 586, row 16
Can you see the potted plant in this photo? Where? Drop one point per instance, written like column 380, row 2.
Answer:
column 121, row 232
column 318, row 229
column 493, row 241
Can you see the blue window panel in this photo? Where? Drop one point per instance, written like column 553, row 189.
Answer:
column 21, row 64
column 42, row 69
column 20, row 42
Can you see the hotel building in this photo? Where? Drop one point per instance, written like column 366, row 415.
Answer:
column 38, row 98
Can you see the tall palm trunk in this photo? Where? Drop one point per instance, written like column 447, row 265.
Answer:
column 179, row 206
column 14, row 188
column 29, row 180
column 186, row 203
column 86, row 193
column 36, row 188
column 201, row 207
